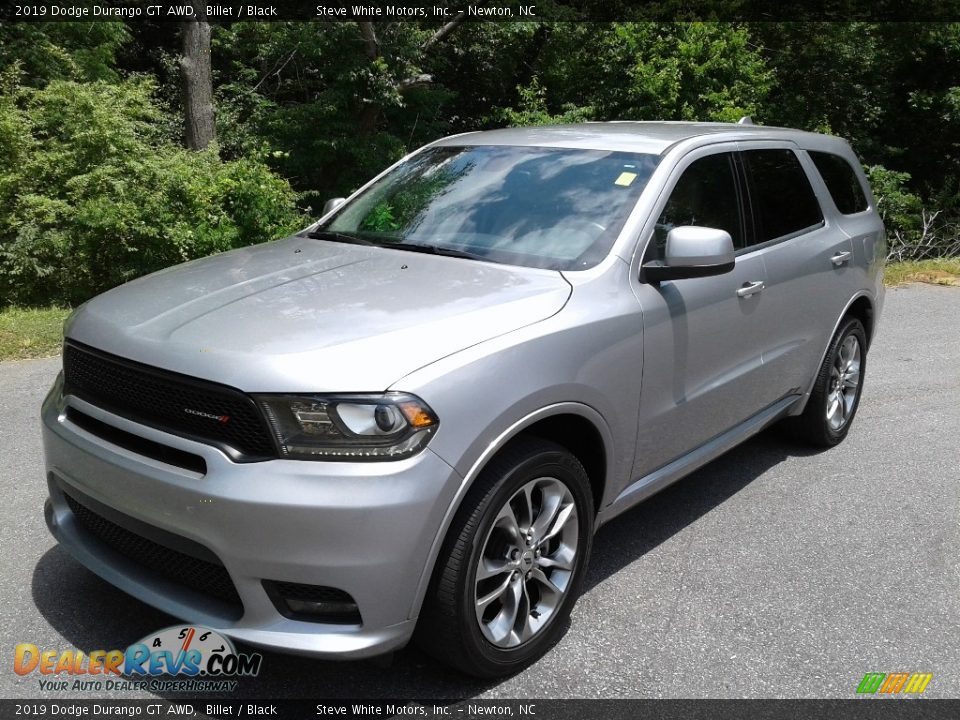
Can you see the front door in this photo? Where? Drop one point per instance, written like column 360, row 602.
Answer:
column 702, row 354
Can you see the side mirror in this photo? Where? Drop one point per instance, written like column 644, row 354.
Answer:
column 332, row 204
column 692, row 252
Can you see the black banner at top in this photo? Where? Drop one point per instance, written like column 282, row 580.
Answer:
column 227, row 11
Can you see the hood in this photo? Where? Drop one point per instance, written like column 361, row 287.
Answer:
column 304, row 315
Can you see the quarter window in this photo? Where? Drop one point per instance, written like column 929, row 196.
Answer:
column 841, row 180
column 780, row 193
column 706, row 196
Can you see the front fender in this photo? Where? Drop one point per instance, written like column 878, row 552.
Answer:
column 511, row 432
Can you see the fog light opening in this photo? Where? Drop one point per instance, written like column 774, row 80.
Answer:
column 313, row 603
column 312, row 607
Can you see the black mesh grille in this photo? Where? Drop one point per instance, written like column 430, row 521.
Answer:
column 312, row 593
column 199, row 575
column 176, row 403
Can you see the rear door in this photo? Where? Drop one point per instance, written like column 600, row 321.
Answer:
column 808, row 260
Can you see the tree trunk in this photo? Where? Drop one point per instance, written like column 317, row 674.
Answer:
column 200, row 129
column 369, row 110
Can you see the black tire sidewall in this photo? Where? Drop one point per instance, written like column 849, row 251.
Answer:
column 547, row 463
column 851, row 327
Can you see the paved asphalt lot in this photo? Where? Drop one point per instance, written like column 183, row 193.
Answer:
column 772, row 572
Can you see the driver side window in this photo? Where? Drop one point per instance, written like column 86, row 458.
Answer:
column 706, row 196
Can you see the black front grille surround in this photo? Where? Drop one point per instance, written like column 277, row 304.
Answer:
column 137, row 444
column 179, row 404
column 198, row 569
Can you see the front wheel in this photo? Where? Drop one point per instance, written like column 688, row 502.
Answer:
column 836, row 392
column 513, row 562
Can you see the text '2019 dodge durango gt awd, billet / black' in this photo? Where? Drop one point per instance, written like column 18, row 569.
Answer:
column 408, row 420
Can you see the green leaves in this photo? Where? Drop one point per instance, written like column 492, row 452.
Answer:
column 648, row 71
column 97, row 194
column 95, row 190
column 62, row 50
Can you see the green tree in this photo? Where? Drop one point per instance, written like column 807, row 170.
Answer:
column 654, row 71
column 97, row 192
column 892, row 89
column 82, row 51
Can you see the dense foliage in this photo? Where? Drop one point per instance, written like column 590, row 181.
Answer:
column 96, row 188
column 93, row 192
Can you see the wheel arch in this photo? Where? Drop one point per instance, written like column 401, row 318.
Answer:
column 862, row 307
column 560, row 423
column 584, row 441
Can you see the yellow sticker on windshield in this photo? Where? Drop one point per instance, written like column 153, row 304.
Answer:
column 625, row 179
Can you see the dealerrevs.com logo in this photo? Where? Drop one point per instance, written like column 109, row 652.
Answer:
column 182, row 658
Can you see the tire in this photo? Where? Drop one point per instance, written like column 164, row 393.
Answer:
column 465, row 621
column 828, row 416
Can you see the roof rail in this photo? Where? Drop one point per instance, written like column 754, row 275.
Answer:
column 745, row 120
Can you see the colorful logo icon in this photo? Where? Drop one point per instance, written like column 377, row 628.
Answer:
column 894, row 683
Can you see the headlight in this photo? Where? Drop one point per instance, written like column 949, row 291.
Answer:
column 388, row 426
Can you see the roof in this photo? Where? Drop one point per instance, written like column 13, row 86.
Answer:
column 632, row 136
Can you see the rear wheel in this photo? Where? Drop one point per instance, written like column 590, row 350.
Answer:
column 836, row 392
column 513, row 562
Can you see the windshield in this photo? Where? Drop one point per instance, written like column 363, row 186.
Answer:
column 540, row 207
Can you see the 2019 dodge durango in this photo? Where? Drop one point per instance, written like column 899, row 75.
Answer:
column 408, row 420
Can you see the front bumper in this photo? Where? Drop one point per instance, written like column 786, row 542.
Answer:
column 363, row 528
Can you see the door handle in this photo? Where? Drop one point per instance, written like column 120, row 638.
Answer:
column 750, row 288
column 841, row 257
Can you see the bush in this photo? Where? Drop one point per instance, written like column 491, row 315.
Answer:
column 95, row 192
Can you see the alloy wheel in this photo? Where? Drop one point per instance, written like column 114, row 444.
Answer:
column 527, row 563
column 844, row 383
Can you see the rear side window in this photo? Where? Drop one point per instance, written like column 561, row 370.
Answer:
column 841, row 181
column 782, row 199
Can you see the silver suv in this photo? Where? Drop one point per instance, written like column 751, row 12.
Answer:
column 409, row 420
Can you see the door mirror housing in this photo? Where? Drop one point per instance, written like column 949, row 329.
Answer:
column 332, row 204
column 692, row 252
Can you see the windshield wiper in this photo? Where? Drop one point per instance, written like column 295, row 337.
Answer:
column 436, row 250
column 413, row 247
column 339, row 237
